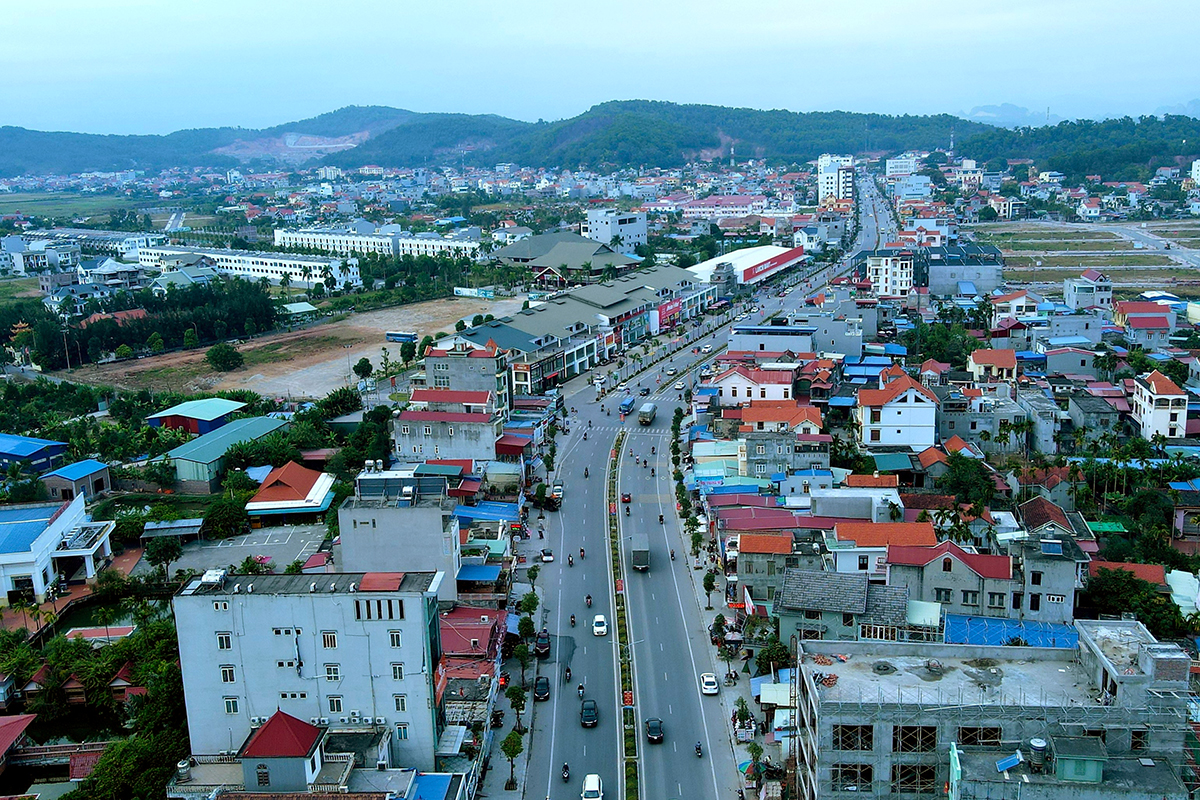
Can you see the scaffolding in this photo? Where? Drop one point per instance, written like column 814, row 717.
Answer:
column 895, row 738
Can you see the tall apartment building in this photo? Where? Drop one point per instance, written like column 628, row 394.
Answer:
column 465, row 368
column 1159, row 407
column 835, row 177
column 905, row 164
column 351, row 651
column 604, row 225
column 907, row 719
column 891, row 273
column 301, row 270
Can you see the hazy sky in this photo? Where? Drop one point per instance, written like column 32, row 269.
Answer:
column 153, row 66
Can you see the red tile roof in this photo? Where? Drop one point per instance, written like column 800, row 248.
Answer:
column 1148, row 323
column 765, row 543
column 883, row 534
column 985, row 566
column 881, row 397
column 873, row 481
column 1138, row 307
column 1039, row 511
column 1003, row 359
column 1154, row 573
column 1004, row 298
column 1161, row 384
column 289, row 483
column 282, row 736
column 12, row 728
column 381, row 582
column 425, row 395
column 936, row 367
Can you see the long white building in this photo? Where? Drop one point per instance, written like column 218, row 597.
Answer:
column 361, row 239
column 254, row 264
column 343, row 650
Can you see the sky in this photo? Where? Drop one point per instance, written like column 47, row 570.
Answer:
column 154, row 66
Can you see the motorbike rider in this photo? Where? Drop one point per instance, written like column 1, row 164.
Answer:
column 581, row 554
column 588, row 600
column 573, row 618
column 570, row 561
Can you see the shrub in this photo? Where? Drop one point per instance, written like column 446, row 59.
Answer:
column 224, row 357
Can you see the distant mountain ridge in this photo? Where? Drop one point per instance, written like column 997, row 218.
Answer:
column 609, row 135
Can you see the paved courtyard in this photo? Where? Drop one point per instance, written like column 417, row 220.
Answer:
column 284, row 545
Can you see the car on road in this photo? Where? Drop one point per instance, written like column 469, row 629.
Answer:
column 557, row 491
column 541, row 644
column 645, row 390
column 593, row 787
column 547, row 556
column 541, row 688
column 706, row 349
column 589, row 713
column 623, row 387
column 679, row 386
column 672, row 371
column 626, row 497
column 654, row 730
column 708, row 683
column 599, row 626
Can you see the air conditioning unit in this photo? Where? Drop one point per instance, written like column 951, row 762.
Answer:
column 324, row 720
column 380, row 721
column 354, row 715
column 381, row 765
column 313, row 720
column 343, row 720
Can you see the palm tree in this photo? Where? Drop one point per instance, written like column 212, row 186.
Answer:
column 285, row 283
column 306, row 272
column 107, row 615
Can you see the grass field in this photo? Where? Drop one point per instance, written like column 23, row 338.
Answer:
column 1056, row 244
column 1122, row 276
column 12, row 288
column 63, row 204
column 1043, row 233
column 1082, row 261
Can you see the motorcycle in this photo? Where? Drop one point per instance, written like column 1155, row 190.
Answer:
column 699, row 751
column 627, row 511
column 566, row 773
column 660, row 519
column 652, row 472
column 588, row 600
column 585, row 472
column 570, row 561
column 581, row 554
column 585, row 436
column 581, row 691
column 572, row 620
column 672, row 555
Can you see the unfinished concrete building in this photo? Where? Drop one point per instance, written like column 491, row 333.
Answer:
column 902, row 719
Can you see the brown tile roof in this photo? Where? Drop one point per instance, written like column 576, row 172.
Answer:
column 765, row 543
column 1154, row 573
column 873, row 481
column 882, row 534
column 1039, row 511
column 1002, row 359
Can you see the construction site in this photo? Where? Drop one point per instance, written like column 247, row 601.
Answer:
column 1107, row 718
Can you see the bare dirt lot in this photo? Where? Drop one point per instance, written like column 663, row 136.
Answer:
column 307, row 363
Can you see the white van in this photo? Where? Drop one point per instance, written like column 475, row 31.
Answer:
column 593, row 788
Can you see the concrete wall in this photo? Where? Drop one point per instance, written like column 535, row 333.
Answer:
column 944, row 278
column 421, row 538
column 285, row 774
column 472, row 440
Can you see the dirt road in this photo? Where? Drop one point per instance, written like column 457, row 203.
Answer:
column 307, row 363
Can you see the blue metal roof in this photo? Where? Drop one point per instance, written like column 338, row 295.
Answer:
column 80, row 469
column 479, row 572
column 21, row 525
column 212, row 446
column 490, row 510
column 432, row 786
column 893, row 461
column 1030, row 355
column 23, row 446
column 841, row 402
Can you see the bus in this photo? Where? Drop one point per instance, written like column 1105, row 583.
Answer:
column 627, row 405
column 401, row 336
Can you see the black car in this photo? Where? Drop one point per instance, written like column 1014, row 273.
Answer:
column 644, row 391
column 654, row 730
column 541, row 644
column 589, row 714
column 541, row 688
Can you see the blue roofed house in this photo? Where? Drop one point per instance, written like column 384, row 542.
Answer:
column 39, row 541
column 196, row 416
column 86, row 478
column 38, row 455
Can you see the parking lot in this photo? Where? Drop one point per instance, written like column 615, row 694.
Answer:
column 283, row 545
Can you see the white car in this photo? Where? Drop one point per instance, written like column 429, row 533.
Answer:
column 600, row 627
column 593, row 788
column 679, row 386
column 672, row 371
column 708, row 683
column 623, row 387
column 706, row 349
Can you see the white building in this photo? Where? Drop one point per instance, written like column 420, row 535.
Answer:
column 604, row 225
column 906, row 164
column 39, row 541
column 902, row 413
column 344, row 650
column 832, row 181
column 110, row 243
column 740, row 385
column 1196, row 171
column 1159, row 407
column 364, row 237
column 301, row 270
column 891, row 275
column 1092, row 289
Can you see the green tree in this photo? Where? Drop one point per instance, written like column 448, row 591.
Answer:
column 224, row 357
column 718, row 627
column 516, row 698
column 408, row 351
column 710, row 585
column 526, row 628
column 512, row 747
column 426, row 343
column 162, row 550
column 363, row 368
column 155, row 343
column 968, row 479
column 773, row 655
column 533, row 573
column 250, row 328
column 226, row 518
column 124, row 351
column 477, row 320
column 988, row 214
column 190, row 339
column 529, row 603
column 524, row 657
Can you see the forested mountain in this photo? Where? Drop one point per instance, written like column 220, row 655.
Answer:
column 1115, row 149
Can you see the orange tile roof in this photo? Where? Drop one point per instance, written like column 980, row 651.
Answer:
column 765, row 543
column 291, row 482
column 930, row 456
column 1161, row 384
column 897, row 387
column 873, row 481
column 1004, row 298
column 1154, row 573
column 788, row 411
column 882, row 534
column 1004, row 359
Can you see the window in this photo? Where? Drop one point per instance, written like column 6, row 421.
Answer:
column 851, row 777
column 220, row 605
column 874, row 434
column 224, row 640
column 1018, row 598
column 762, row 393
column 397, row 672
column 853, row 737
column 950, row 424
column 428, row 430
column 970, row 597
column 914, row 738
column 847, row 620
column 335, row 704
column 293, row 695
column 1035, row 602
column 231, row 705
column 404, row 430
column 333, row 672
column 1139, row 738
column 760, row 449
column 400, row 701
column 811, row 614
column 979, row 736
column 402, row 731
column 227, row 675
column 1035, row 578
column 995, row 599
column 947, row 564
column 914, row 778
column 263, row 774
column 941, row 595
column 395, row 638
column 863, row 562
column 876, row 415
column 329, row 639
column 1056, row 598
column 733, row 391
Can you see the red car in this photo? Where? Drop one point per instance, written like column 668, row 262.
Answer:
column 625, row 497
